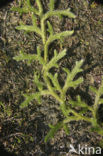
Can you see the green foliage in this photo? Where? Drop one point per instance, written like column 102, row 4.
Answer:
column 51, row 5
column 53, row 130
column 71, row 75
column 29, row 98
column 49, row 84
column 5, row 111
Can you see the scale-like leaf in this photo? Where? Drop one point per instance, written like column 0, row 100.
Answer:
column 29, row 28
column 59, row 13
column 27, row 7
column 20, row 10
column 93, row 89
column 37, row 82
column 65, row 127
column 101, row 101
column 51, row 5
column 59, row 36
column 75, row 83
column 76, row 69
column 79, row 103
column 28, row 57
column 70, row 82
column 50, row 28
column 53, row 131
column 55, row 82
column 29, row 98
column 34, row 20
column 97, row 129
column 53, row 62
column 38, row 2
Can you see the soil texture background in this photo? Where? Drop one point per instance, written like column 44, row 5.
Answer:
column 22, row 131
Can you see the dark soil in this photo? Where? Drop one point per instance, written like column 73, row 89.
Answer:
column 23, row 131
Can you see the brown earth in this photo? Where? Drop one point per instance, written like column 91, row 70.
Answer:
column 23, row 131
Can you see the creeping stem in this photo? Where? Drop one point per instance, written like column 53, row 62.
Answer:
column 56, row 36
column 43, row 31
column 44, row 40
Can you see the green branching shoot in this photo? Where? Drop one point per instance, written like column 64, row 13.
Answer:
column 50, row 85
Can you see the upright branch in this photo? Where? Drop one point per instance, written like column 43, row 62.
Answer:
column 50, row 85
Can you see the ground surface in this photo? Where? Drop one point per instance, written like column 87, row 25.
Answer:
column 23, row 131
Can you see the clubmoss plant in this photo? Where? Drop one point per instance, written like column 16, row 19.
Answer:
column 50, row 84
